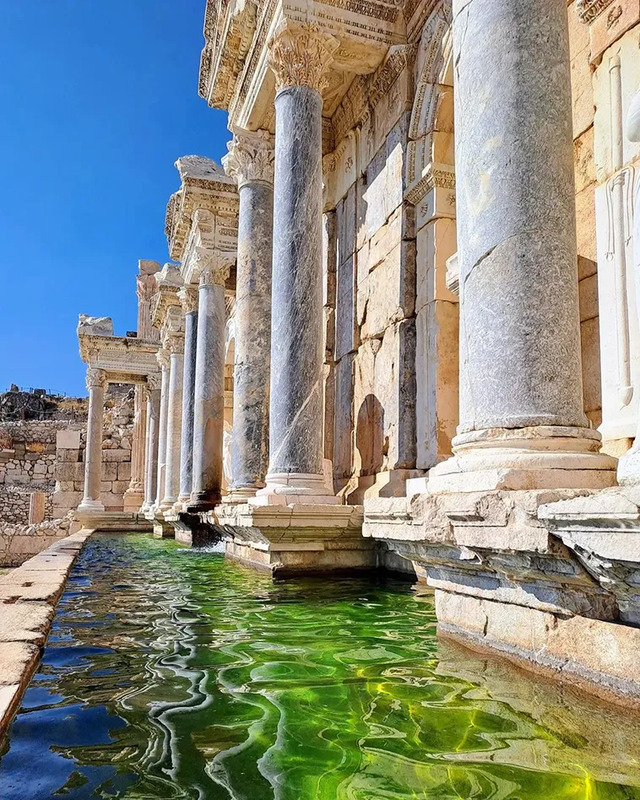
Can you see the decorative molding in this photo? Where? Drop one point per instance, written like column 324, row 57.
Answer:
column 163, row 358
column 300, row 55
column 153, row 382
column 96, row 378
column 589, row 10
column 250, row 157
column 437, row 176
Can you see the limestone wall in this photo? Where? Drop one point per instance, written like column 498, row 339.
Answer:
column 19, row 542
column 47, row 455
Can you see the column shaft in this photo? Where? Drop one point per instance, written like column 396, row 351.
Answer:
column 162, row 433
column 186, row 452
column 134, row 496
column 522, row 423
column 174, row 425
column 151, row 460
column 208, row 413
column 96, row 383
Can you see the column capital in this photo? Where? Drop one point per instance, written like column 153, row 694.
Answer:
column 175, row 343
column 96, row 378
column 188, row 299
column 215, row 266
column 152, row 384
column 250, row 157
column 163, row 357
column 299, row 55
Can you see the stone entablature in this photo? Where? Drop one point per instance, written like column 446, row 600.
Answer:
column 207, row 195
column 124, row 359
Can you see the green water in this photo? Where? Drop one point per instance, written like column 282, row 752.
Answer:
column 174, row 674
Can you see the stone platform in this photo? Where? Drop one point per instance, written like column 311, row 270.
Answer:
column 297, row 539
column 546, row 576
column 114, row 521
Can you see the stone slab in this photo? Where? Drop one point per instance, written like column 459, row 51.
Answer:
column 26, row 622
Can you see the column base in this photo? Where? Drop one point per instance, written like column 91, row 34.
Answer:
column 285, row 488
column 543, row 457
column 90, row 507
column 297, row 539
column 240, row 494
column 203, row 501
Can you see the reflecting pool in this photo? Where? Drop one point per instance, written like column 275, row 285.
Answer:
column 171, row 673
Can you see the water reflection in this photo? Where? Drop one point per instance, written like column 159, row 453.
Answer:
column 174, row 674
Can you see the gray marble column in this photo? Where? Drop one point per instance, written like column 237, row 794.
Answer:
column 299, row 57
column 96, row 384
column 163, row 361
column 250, row 162
column 208, row 410
column 174, row 422
column 520, row 371
column 189, row 300
column 152, row 395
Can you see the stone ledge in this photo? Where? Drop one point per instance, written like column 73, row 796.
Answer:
column 602, row 656
column 28, row 597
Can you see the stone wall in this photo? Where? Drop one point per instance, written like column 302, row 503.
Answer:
column 20, row 542
column 47, row 455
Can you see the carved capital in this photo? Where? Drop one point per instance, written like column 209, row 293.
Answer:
column 250, row 157
column 175, row 343
column 96, row 378
column 188, row 299
column 153, row 383
column 300, row 55
column 215, row 267
column 163, row 357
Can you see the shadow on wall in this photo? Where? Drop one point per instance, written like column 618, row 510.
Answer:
column 371, row 442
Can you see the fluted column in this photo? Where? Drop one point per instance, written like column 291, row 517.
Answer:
column 96, row 384
column 208, row 413
column 164, row 362
column 299, row 56
column 250, row 162
column 189, row 299
column 175, row 345
column 134, row 496
column 522, row 423
column 152, row 397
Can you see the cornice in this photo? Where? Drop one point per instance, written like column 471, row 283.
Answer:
column 204, row 186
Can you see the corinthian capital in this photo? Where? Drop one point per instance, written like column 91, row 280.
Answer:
column 188, row 299
column 163, row 358
column 214, row 266
column 300, row 54
column 96, row 378
column 250, row 157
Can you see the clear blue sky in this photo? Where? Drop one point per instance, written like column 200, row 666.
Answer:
column 97, row 100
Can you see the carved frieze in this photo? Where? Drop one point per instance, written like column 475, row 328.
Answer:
column 588, row 10
column 250, row 157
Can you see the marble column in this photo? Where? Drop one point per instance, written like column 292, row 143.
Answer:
column 134, row 496
column 250, row 162
column 189, row 299
column 175, row 346
column 208, row 410
column 164, row 362
column 629, row 464
column 96, row 384
column 152, row 396
column 299, row 56
column 522, row 423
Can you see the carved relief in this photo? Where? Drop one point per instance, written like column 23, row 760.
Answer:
column 300, row 55
column 250, row 157
column 588, row 10
column 188, row 299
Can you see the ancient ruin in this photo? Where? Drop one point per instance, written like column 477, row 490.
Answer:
column 399, row 329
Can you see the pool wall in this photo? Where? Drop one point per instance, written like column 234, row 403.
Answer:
column 28, row 597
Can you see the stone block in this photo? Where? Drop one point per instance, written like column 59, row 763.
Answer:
column 581, row 85
column 591, row 375
column 585, row 167
column 119, row 487
column 110, row 471
column 36, row 507
column 17, row 662
column 67, row 439
column 116, row 454
column 387, row 294
column 343, row 418
column 25, row 622
column 124, row 471
column 586, row 223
